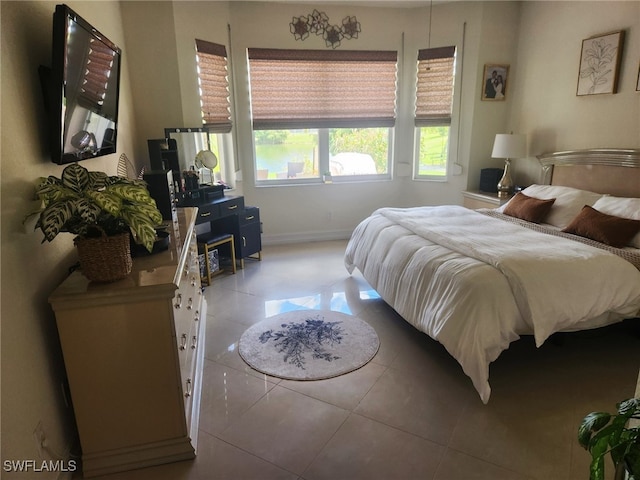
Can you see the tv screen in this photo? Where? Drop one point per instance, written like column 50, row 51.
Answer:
column 81, row 89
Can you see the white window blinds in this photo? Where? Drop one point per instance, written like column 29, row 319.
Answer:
column 434, row 93
column 214, row 86
column 293, row 89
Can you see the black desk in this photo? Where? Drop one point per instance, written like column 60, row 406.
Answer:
column 228, row 214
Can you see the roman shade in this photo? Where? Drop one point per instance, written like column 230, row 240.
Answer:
column 214, row 86
column 292, row 89
column 434, row 92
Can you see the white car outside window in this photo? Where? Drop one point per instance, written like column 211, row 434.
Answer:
column 351, row 163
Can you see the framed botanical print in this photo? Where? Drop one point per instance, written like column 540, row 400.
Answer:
column 494, row 82
column 600, row 64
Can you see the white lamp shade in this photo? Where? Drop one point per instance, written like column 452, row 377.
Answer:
column 509, row 145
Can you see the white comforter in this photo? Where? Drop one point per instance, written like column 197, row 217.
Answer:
column 476, row 283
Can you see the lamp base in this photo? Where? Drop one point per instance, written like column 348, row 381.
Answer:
column 505, row 185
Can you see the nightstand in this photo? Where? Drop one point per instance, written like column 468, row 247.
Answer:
column 475, row 199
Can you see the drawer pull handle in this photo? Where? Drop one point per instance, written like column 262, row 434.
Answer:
column 205, row 214
column 250, row 217
column 188, row 392
column 190, row 304
column 183, row 341
column 196, row 317
column 178, row 303
column 232, row 207
column 194, row 342
column 244, row 241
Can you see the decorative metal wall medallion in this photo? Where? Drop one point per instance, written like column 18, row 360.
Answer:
column 318, row 23
column 299, row 26
column 350, row 27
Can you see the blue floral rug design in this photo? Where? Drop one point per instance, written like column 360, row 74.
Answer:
column 309, row 345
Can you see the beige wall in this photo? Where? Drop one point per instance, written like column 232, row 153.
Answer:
column 32, row 370
column 545, row 103
column 158, row 92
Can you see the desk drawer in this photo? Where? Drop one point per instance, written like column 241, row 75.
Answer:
column 208, row 212
column 249, row 215
column 231, row 206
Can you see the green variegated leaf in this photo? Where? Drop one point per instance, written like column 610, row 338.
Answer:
column 53, row 218
column 50, row 190
column 591, row 423
column 596, row 469
column 87, row 210
column 126, row 181
column 132, row 193
column 75, row 177
column 629, row 407
column 108, row 202
column 598, row 451
column 44, row 183
column 142, row 227
column 633, row 460
column 97, row 180
column 150, row 211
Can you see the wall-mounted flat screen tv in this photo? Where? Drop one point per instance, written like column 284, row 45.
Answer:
column 81, row 89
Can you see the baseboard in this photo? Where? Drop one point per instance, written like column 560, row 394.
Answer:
column 305, row 237
column 140, row 456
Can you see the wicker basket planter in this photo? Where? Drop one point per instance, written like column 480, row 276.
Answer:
column 106, row 258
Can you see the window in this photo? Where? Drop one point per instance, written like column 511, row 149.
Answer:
column 213, row 84
column 317, row 111
column 434, row 105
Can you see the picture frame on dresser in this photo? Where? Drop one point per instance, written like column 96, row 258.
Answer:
column 599, row 66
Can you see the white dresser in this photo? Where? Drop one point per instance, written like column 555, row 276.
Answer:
column 134, row 353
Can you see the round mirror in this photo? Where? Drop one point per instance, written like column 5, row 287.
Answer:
column 206, row 159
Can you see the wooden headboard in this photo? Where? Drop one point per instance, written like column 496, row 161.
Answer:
column 612, row 171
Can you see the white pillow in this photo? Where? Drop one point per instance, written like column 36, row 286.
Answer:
column 569, row 202
column 621, row 207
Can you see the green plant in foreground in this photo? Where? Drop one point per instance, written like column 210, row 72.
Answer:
column 92, row 204
column 601, row 433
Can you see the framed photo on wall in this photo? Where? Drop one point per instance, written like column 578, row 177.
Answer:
column 600, row 64
column 494, row 86
column 638, row 82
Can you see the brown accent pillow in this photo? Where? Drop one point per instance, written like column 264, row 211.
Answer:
column 603, row 228
column 528, row 208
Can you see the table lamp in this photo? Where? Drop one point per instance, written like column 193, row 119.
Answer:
column 508, row 146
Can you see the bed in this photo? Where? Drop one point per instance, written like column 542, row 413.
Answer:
column 552, row 259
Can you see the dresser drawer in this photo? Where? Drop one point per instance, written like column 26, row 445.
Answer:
column 191, row 374
column 187, row 301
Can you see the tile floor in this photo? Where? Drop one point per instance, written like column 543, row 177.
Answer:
column 410, row 413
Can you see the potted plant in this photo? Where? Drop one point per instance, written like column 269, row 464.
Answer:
column 102, row 211
column 601, row 433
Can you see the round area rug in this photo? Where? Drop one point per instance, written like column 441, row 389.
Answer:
column 308, row 345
